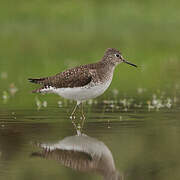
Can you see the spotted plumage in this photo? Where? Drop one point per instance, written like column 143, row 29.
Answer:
column 82, row 82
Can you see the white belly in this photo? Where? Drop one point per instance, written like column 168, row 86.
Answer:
column 79, row 93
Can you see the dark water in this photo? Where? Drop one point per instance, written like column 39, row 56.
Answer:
column 136, row 144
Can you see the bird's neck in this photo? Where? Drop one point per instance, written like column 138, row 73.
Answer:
column 107, row 66
column 105, row 70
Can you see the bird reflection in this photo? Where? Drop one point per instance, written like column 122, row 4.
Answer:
column 81, row 153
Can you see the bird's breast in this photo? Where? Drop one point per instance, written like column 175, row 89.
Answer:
column 90, row 91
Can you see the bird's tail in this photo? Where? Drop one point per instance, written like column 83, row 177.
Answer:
column 37, row 80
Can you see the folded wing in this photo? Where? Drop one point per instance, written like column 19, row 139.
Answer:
column 75, row 77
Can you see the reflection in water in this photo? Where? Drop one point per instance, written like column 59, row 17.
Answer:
column 82, row 153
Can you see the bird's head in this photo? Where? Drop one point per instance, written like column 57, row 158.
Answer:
column 113, row 56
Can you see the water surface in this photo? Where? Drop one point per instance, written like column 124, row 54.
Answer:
column 143, row 144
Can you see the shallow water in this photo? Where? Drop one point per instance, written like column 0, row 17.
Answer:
column 144, row 144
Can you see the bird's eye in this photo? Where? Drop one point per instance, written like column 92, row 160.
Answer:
column 117, row 55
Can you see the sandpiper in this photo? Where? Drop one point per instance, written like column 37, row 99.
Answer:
column 83, row 82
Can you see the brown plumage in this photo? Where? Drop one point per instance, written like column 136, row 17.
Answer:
column 80, row 76
column 75, row 77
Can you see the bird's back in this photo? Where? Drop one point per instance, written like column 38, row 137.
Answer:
column 74, row 77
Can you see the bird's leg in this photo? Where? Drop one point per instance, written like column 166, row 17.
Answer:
column 82, row 116
column 73, row 112
column 72, row 117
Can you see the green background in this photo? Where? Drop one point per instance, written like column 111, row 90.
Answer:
column 41, row 38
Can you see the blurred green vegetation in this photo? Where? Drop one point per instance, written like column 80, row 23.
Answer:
column 42, row 38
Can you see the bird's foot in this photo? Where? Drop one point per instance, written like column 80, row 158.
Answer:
column 72, row 117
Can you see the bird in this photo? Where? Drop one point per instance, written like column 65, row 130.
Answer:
column 81, row 153
column 83, row 82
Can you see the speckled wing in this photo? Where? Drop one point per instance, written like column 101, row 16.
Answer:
column 75, row 77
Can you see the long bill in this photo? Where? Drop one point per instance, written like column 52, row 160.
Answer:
column 127, row 62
